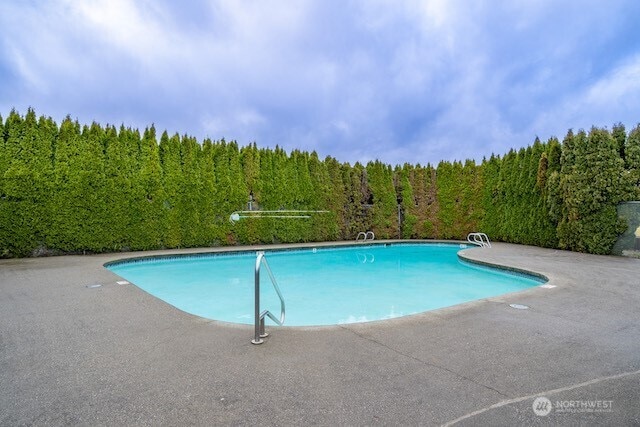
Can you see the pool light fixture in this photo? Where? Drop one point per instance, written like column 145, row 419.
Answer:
column 519, row 306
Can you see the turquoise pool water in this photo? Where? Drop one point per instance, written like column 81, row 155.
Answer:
column 323, row 286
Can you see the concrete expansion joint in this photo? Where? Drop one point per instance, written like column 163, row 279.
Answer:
column 540, row 393
column 423, row 362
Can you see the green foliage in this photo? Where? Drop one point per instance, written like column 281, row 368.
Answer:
column 73, row 188
column 79, row 214
column 121, row 157
column 459, row 199
column 408, row 205
column 592, row 183
column 171, row 180
column 384, row 209
column 149, row 195
column 358, row 209
column 208, row 227
column 190, row 195
column 632, row 161
column 620, row 137
column 26, row 183
column 447, row 187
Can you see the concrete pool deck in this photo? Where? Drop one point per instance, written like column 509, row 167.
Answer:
column 115, row 355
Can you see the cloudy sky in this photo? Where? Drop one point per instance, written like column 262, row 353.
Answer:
column 402, row 81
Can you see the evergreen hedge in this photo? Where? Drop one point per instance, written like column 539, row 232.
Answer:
column 87, row 188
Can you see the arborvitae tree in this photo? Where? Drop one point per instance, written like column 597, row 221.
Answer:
column 554, row 154
column 423, row 184
column 13, row 243
column 27, row 182
column 541, row 230
column 130, row 141
column 93, row 211
column 191, row 196
column 456, row 230
column 491, row 197
column 358, row 213
column 325, row 196
column 632, row 161
column 299, row 230
column 62, row 235
column 287, row 192
column 209, row 228
column 172, row 179
column 238, row 193
column 407, row 202
column 79, row 203
column 568, row 218
column 385, row 203
column 520, row 196
column 285, row 188
column 250, row 160
column 508, row 181
column 262, row 198
column 552, row 191
column 335, row 200
column 470, row 199
column 222, row 207
column 231, row 191
column 620, row 136
column 541, row 175
column 529, row 204
column 446, row 183
column 591, row 189
column 150, row 195
column 120, row 168
column 415, row 176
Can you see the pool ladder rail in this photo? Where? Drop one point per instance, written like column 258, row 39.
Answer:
column 480, row 239
column 259, row 332
column 369, row 235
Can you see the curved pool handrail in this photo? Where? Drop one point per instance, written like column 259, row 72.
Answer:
column 369, row 235
column 259, row 332
column 480, row 239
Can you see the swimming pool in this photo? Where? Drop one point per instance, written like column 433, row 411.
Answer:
column 323, row 286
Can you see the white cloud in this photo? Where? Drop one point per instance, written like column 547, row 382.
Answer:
column 615, row 97
column 233, row 122
column 620, row 85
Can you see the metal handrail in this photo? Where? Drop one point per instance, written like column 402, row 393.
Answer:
column 259, row 331
column 369, row 235
column 480, row 239
column 282, row 213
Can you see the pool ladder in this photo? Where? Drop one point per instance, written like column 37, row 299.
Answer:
column 365, row 236
column 479, row 239
column 259, row 332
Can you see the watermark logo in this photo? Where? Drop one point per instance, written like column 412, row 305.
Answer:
column 542, row 406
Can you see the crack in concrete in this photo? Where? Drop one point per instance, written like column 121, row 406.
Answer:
column 541, row 393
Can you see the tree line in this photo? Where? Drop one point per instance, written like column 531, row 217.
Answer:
column 74, row 188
